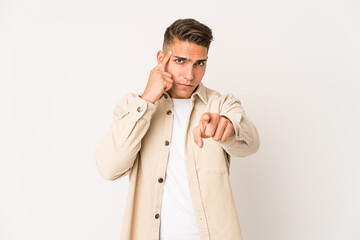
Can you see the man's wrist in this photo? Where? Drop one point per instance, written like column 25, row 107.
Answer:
column 147, row 99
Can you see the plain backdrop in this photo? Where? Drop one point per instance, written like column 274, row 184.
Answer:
column 295, row 66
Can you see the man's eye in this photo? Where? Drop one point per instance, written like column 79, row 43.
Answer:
column 178, row 60
column 200, row 63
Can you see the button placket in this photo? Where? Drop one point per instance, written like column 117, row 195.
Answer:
column 168, row 111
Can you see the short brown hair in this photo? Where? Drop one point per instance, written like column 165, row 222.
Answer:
column 188, row 29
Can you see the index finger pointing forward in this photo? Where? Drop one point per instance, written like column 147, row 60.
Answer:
column 205, row 117
column 163, row 63
column 197, row 136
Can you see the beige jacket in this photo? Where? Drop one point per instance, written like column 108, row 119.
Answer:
column 138, row 144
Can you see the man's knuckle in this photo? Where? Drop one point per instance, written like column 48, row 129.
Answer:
column 216, row 116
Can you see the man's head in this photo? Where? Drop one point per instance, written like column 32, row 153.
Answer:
column 189, row 41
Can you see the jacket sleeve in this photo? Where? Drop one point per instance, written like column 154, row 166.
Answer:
column 116, row 152
column 245, row 140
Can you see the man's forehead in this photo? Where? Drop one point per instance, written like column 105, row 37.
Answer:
column 188, row 50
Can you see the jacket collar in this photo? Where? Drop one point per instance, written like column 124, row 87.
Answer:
column 200, row 90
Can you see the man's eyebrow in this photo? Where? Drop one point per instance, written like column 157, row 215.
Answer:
column 186, row 59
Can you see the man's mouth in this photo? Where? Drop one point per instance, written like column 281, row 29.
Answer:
column 185, row 85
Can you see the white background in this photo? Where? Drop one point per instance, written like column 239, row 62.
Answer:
column 293, row 64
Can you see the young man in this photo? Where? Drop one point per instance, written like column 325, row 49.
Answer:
column 175, row 141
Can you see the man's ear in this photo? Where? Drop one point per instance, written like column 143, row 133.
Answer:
column 160, row 56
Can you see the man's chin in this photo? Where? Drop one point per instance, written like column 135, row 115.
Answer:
column 179, row 94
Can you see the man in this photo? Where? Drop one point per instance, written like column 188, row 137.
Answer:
column 175, row 141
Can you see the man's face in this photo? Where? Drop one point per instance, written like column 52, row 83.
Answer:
column 187, row 66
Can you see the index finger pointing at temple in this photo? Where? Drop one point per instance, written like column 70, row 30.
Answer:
column 163, row 63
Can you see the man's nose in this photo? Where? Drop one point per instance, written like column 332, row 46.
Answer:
column 189, row 74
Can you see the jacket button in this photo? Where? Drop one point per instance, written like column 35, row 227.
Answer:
column 139, row 109
column 157, row 216
column 160, row 180
column 168, row 112
column 166, row 143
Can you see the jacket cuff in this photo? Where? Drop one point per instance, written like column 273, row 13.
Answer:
column 241, row 132
column 142, row 108
column 136, row 107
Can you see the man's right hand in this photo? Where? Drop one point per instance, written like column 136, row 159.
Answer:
column 159, row 81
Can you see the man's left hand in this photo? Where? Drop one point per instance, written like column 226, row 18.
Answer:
column 212, row 125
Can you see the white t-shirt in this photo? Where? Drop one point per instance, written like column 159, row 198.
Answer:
column 177, row 221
